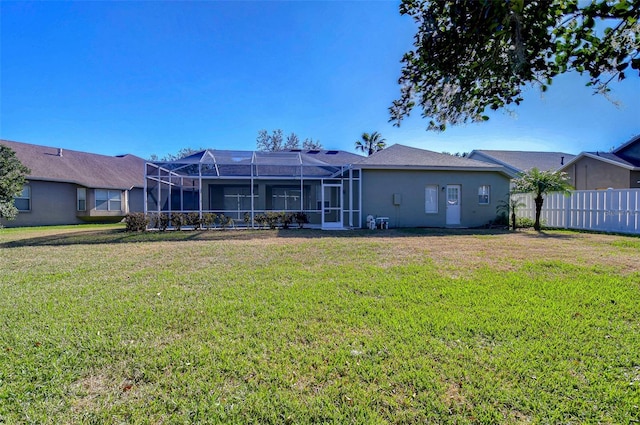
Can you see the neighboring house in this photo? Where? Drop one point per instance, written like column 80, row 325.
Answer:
column 618, row 169
column 519, row 161
column 71, row 187
column 421, row 188
column 409, row 187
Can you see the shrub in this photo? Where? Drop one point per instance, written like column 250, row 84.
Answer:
column 193, row 219
column 260, row 219
column 178, row 220
column 286, row 219
column 209, row 219
column 136, row 222
column 524, row 222
column 160, row 220
column 225, row 221
column 301, row 218
column 271, row 219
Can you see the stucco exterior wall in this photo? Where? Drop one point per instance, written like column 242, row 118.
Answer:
column 51, row 203
column 54, row 203
column 379, row 187
column 592, row 174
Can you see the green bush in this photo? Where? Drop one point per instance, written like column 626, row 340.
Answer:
column 260, row 220
column 225, row 221
column 193, row 219
column 209, row 219
column 159, row 221
column 524, row 222
column 286, row 219
column 136, row 222
column 178, row 220
column 301, row 218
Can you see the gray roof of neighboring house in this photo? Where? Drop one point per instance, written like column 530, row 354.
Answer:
column 82, row 168
column 626, row 155
column 400, row 156
column 615, row 158
column 519, row 161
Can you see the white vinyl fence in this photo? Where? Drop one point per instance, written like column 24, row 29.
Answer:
column 612, row 210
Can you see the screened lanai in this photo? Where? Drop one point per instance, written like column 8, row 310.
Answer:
column 323, row 184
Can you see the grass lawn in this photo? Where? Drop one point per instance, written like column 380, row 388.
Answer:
column 299, row 326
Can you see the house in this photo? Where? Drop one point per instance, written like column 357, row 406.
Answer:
column 618, row 169
column 405, row 186
column 420, row 188
column 519, row 161
column 71, row 187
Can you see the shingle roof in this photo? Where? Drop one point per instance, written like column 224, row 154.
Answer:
column 405, row 156
column 615, row 158
column 526, row 160
column 82, row 168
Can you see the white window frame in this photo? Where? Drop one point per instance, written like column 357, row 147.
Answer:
column 431, row 204
column 81, row 197
column 111, row 196
column 24, row 195
column 484, row 194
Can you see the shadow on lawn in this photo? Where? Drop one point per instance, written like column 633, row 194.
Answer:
column 118, row 236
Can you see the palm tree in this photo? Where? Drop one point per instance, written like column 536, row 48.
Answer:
column 540, row 183
column 371, row 143
column 510, row 207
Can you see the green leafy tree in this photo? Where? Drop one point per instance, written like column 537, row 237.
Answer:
column 540, row 183
column 371, row 143
column 472, row 55
column 12, row 178
column 510, row 207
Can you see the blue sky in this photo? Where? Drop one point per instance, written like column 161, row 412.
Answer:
column 153, row 77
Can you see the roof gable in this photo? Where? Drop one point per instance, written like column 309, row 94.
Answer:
column 82, row 168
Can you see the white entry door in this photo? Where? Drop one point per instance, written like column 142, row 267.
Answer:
column 453, row 204
column 331, row 206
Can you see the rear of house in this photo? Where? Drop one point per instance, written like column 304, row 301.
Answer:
column 413, row 187
column 72, row 187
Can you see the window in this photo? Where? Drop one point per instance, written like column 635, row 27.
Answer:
column 108, row 200
column 286, row 198
column 23, row 200
column 483, row 194
column 431, row 199
column 232, row 197
column 82, row 199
